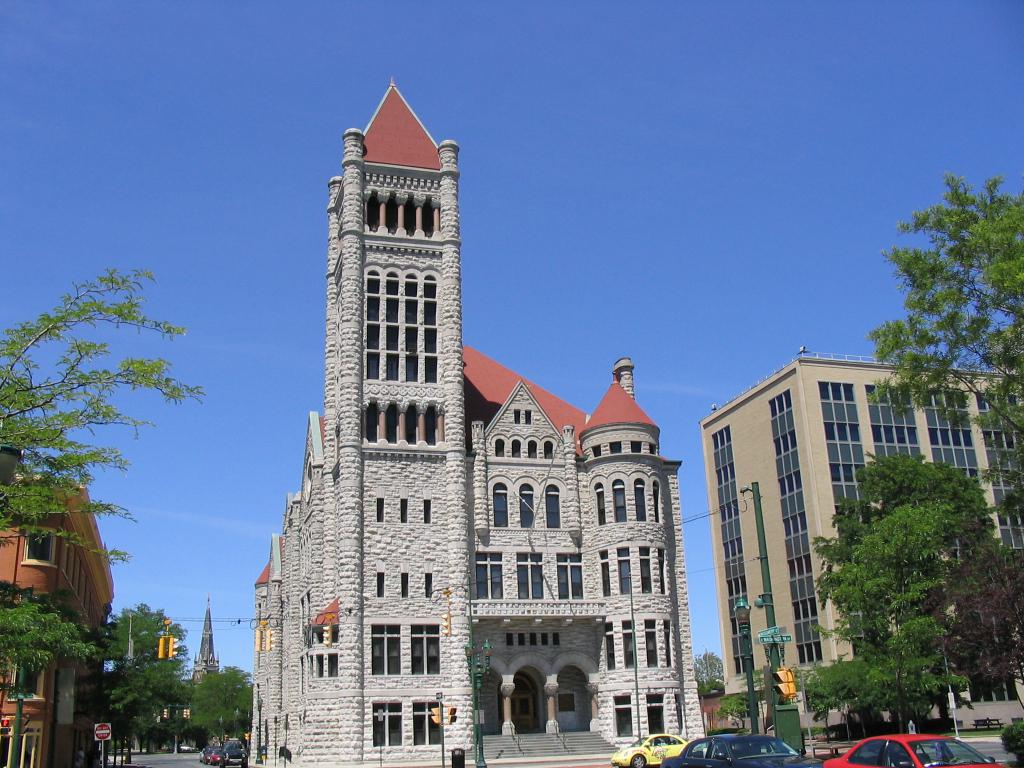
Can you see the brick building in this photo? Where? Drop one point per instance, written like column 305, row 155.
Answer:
column 54, row 726
column 432, row 466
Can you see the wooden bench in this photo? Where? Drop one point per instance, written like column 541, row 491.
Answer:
column 988, row 722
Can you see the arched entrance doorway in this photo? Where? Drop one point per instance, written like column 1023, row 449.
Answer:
column 573, row 703
column 526, row 703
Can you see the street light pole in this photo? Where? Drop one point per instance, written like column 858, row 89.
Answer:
column 765, row 599
column 636, row 661
column 742, row 612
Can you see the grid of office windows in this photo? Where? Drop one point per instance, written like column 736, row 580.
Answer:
column 949, row 432
column 794, row 519
column 732, row 538
column 842, row 437
column 892, row 425
column 401, row 328
column 999, row 447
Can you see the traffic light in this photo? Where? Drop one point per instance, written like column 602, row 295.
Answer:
column 171, row 642
column 785, row 684
column 186, row 713
column 435, row 715
column 5, row 726
column 161, row 647
column 446, row 624
column 268, row 639
column 167, row 714
column 451, row 715
column 328, row 635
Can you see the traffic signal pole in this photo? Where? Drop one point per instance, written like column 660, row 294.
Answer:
column 765, row 599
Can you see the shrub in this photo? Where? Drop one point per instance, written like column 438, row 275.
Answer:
column 1013, row 740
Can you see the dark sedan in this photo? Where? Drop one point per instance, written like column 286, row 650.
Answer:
column 736, row 750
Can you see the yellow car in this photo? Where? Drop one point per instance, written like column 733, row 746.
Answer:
column 649, row 751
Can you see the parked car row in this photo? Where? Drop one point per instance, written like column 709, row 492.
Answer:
column 231, row 752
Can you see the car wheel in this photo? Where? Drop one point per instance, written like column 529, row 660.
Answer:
column 638, row 761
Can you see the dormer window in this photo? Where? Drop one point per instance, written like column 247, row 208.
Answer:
column 517, row 416
column 549, row 449
column 527, row 417
column 499, row 448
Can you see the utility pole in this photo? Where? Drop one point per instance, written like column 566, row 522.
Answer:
column 765, row 599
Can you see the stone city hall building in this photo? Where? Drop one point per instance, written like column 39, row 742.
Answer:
column 433, row 467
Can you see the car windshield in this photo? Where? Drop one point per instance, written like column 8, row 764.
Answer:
column 946, row 752
column 747, row 747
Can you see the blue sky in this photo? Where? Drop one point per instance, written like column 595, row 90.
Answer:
column 702, row 186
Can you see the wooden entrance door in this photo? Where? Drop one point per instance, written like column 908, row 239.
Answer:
column 524, row 705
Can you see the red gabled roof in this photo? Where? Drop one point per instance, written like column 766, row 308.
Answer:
column 397, row 137
column 617, row 407
column 264, row 576
column 488, row 385
column 328, row 615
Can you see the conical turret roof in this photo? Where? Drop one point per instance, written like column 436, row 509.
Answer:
column 396, row 136
column 617, row 407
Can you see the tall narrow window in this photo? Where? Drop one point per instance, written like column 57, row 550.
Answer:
column 380, row 510
column 570, row 577
column 549, row 449
column 426, row 649
column 488, row 576
column 645, row 570
column 391, row 423
column 499, row 502
column 380, row 583
column 424, row 729
column 531, row 449
column 619, row 500
column 655, row 712
column 628, row 655
column 599, row 496
column 387, row 724
column 371, row 422
column 428, row 584
column 526, row 506
column 609, row 645
column 661, row 571
column 657, row 501
column 385, row 649
column 606, row 579
column 625, row 578
column 517, row 449
column 554, row 516
column 426, row 510
column 530, row 575
column 640, row 499
column 430, row 425
column 499, row 448
column 405, row 584
column 651, row 642
column 403, row 510
column 667, row 636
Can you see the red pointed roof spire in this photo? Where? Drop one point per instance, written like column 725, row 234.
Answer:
column 396, row 136
column 617, row 407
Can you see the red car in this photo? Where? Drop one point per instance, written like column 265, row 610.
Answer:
column 910, row 750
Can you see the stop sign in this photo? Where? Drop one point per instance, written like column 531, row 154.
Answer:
column 101, row 731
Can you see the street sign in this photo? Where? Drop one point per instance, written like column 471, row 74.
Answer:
column 101, row 731
column 769, row 635
column 774, row 639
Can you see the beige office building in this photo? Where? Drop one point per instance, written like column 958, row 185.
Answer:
column 801, row 433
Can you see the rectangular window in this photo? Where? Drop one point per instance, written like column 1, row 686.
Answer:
column 428, row 584
column 625, row 577
column 516, row 415
column 411, row 311
column 391, row 374
column 373, row 336
column 666, row 632
column 412, row 369
column 39, row 546
column 391, row 338
column 570, row 577
column 530, row 575
column 403, row 510
column 380, row 510
column 380, row 583
column 424, row 730
column 597, row 451
column 645, row 570
column 385, row 649
column 426, row 649
column 387, row 724
column 609, row 646
column 430, row 369
column 661, row 571
column 527, row 417
column 655, row 712
column 373, row 365
column 635, row 446
column 332, row 665
column 405, row 585
column 373, row 308
column 615, row 447
column 488, row 575
column 426, row 510
column 430, row 340
column 606, row 581
column 651, row 642
column 430, row 313
column 623, row 716
column 628, row 655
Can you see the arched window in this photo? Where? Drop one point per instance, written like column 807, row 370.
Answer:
column 373, row 211
column 526, row 506
column 430, row 425
column 391, row 423
column 599, row 493
column 499, row 447
column 410, row 425
column 549, row 449
column 551, row 506
column 517, row 449
column 531, row 449
column 500, row 504
column 619, row 500
column 657, row 502
column 640, row 499
column 371, row 422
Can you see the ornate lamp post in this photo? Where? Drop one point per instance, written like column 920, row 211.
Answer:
column 742, row 613
column 479, row 665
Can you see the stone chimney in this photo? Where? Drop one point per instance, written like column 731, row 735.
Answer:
column 623, row 373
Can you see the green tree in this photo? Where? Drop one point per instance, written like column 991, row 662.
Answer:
column 964, row 292
column 709, row 672
column 134, row 686
column 886, row 570
column 222, row 703
column 842, row 686
column 58, row 389
column 733, row 707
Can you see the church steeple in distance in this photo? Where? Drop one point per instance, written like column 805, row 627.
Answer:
column 207, row 660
